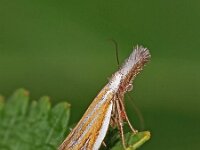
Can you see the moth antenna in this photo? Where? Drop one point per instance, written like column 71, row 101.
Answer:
column 138, row 112
column 116, row 51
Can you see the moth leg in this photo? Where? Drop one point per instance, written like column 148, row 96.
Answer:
column 126, row 117
column 104, row 144
column 120, row 123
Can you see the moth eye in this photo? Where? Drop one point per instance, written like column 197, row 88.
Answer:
column 129, row 87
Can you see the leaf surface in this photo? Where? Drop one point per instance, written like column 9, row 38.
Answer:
column 134, row 141
column 26, row 125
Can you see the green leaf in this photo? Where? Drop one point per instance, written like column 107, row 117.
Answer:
column 26, row 125
column 133, row 141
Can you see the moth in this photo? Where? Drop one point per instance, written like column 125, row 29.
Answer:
column 108, row 106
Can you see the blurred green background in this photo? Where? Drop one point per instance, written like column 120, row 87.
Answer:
column 62, row 49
